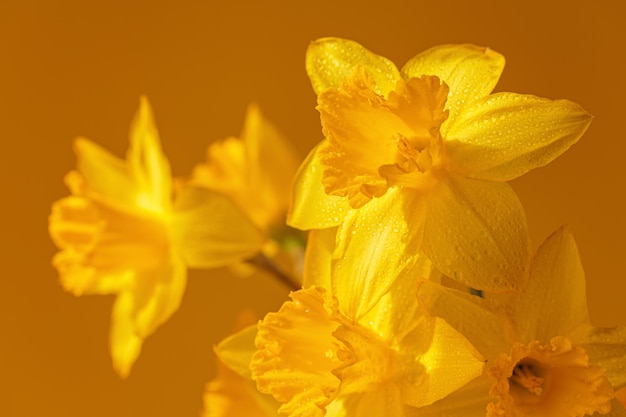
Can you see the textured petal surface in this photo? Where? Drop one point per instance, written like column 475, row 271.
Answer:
column 475, row 232
column 210, row 230
column 556, row 290
column 374, row 246
column 330, row 60
column 470, row 71
column 311, row 207
column 606, row 347
column 506, row 135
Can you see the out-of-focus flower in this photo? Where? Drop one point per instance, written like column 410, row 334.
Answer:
column 437, row 147
column 256, row 170
column 544, row 359
column 317, row 359
column 122, row 232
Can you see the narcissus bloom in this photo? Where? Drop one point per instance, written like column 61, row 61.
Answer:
column 122, row 232
column 315, row 358
column 544, row 359
column 256, row 170
column 434, row 141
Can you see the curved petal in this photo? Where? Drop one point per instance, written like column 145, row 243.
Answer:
column 311, row 207
column 210, row 230
column 330, row 60
column 506, row 135
column 374, row 246
column 556, row 274
column 470, row 71
column 476, row 233
column 124, row 343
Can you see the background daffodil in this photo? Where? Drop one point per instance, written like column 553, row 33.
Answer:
column 122, row 232
column 256, row 171
column 434, row 132
column 543, row 356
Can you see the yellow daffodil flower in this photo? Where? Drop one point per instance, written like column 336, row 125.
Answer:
column 256, row 170
column 122, row 232
column 315, row 358
column 434, row 133
column 544, row 359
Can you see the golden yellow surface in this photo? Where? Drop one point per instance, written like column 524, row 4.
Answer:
column 70, row 68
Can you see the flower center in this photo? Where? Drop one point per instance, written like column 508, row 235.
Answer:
column 548, row 380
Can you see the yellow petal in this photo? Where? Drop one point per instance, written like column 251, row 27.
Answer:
column 147, row 163
column 556, row 274
column 606, row 347
column 237, row 349
column 374, row 246
column 330, row 60
column 124, row 343
column 470, row 400
column 478, row 319
column 319, row 249
column 210, row 230
column 311, row 207
column 506, row 135
column 470, row 71
column 476, row 232
column 103, row 173
column 449, row 363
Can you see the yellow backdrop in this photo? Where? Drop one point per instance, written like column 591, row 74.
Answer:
column 70, row 68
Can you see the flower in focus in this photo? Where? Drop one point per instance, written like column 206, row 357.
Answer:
column 256, row 171
column 318, row 360
column 434, row 141
column 122, row 232
column 544, row 359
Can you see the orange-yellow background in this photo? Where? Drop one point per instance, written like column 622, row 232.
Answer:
column 71, row 68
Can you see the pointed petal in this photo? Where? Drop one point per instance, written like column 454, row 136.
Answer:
column 470, row 71
column 506, row 135
column 479, row 320
column 147, row 162
column 317, row 261
column 311, row 207
column 330, row 60
column 449, row 363
column 272, row 163
column 124, row 343
column 476, row 233
column 237, row 349
column 606, row 347
column 556, row 274
column 210, row 230
column 378, row 231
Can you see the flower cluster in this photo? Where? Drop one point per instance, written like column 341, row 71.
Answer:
column 415, row 289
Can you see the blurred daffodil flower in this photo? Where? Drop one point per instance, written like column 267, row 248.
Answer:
column 256, row 170
column 435, row 147
column 122, row 232
column 544, row 359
